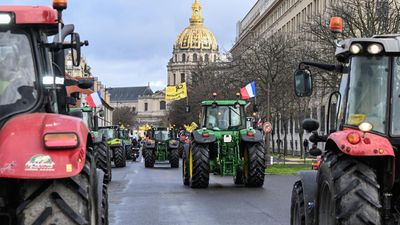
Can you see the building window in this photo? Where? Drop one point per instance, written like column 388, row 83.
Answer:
column 163, row 105
column 195, row 57
column 183, row 78
column 173, row 79
column 207, row 58
column 183, row 57
column 176, row 58
column 146, row 106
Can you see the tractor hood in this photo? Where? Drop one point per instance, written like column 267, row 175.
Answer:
column 23, row 154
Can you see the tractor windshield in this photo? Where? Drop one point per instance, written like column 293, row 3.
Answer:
column 17, row 73
column 161, row 135
column 107, row 133
column 395, row 126
column 224, row 118
column 368, row 92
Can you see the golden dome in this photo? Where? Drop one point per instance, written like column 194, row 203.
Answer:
column 196, row 36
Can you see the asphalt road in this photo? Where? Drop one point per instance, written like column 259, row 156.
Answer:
column 158, row 197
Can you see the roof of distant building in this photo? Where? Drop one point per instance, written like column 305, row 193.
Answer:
column 126, row 94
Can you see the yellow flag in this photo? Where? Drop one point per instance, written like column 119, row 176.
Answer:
column 176, row 92
column 190, row 128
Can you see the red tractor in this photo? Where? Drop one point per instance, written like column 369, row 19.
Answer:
column 48, row 169
column 358, row 180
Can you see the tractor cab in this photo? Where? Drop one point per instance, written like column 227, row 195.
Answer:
column 223, row 115
column 32, row 69
column 369, row 92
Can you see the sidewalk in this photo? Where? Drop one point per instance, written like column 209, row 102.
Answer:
column 290, row 160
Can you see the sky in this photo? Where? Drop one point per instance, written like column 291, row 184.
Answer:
column 131, row 40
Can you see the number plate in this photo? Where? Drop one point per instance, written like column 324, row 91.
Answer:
column 227, row 138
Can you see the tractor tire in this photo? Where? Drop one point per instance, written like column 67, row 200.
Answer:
column 67, row 201
column 104, row 204
column 297, row 209
column 149, row 158
column 238, row 179
column 255, row 165
column 104, row 161
column 174, row 158
column 129, row 152
column 119, row 157
column 180, row 150
column 185, row 170
column 200, row 176
column 348, row 192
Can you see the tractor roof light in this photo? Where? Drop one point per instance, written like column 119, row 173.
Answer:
column 355, row 49
column 6, row 18
column 336, row 25
column 375, row 49
column 60, row 4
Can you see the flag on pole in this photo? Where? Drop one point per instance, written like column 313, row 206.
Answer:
column 94, row 100
column 249, row 91
column 176, row 92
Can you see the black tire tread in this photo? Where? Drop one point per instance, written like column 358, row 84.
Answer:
column 119, row 157
column 297, row 203
column 256, row 165
column 201, row 168
column 149, row 158
column 104, row 160
column 174, row 158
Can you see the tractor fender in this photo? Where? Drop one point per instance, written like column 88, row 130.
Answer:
column 258, row 137
column 370, row 144
column 150, row 144
column 198, row 138
column 309, row 183
column 173, row 145
column 24, row 156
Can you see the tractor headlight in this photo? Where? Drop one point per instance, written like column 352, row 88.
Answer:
column 375, row 49
column 365, row 127
column 355, row 49
column 6, row 18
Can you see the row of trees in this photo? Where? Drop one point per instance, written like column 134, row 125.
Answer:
column 271, row 58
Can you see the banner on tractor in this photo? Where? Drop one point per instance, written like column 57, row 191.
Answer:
column 176, row 92
column 190, row 128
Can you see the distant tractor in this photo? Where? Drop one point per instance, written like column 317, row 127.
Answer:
column 113, row 135
column 358, row 178
column 224, row 146
column 160, row 146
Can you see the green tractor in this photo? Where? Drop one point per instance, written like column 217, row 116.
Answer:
column 224, row 146
column 160, row 146
column 113, row 135
column 100, row 143
column 126, row 141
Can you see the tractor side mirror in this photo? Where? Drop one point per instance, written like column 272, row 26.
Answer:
column 303, row 83
column 85, row 84
column 76, row 49
column 310, row 125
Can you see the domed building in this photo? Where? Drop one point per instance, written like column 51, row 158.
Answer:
column 196, row 44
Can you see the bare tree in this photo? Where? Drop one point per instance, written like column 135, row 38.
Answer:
column 124, row 115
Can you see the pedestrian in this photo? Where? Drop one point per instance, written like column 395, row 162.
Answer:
column 305, row 144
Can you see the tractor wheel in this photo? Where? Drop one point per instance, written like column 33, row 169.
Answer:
column 67, row 201
column 129, row 152
column 238, row 179
column 199, row 167
column 104, row 161
column 104, row 204
column 297, row 209
column 180, row 150
column 254, row 168
column 348, row 192
column 174, row 158
column 185, row 169
column 149, row 159
column 119, row 157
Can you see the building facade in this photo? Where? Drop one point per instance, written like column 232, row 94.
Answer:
column 287, row 16
column 195, row 45
column 151, row 108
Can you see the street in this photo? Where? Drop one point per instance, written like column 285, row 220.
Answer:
column 157, row 196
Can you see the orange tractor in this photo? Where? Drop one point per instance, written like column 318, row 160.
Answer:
column 48, row 169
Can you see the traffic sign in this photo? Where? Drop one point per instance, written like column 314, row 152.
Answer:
column 267, row 127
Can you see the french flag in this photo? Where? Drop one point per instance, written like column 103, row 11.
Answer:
column 249, row 91
column 94, row 100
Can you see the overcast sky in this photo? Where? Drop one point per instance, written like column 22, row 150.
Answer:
column 131, row 40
